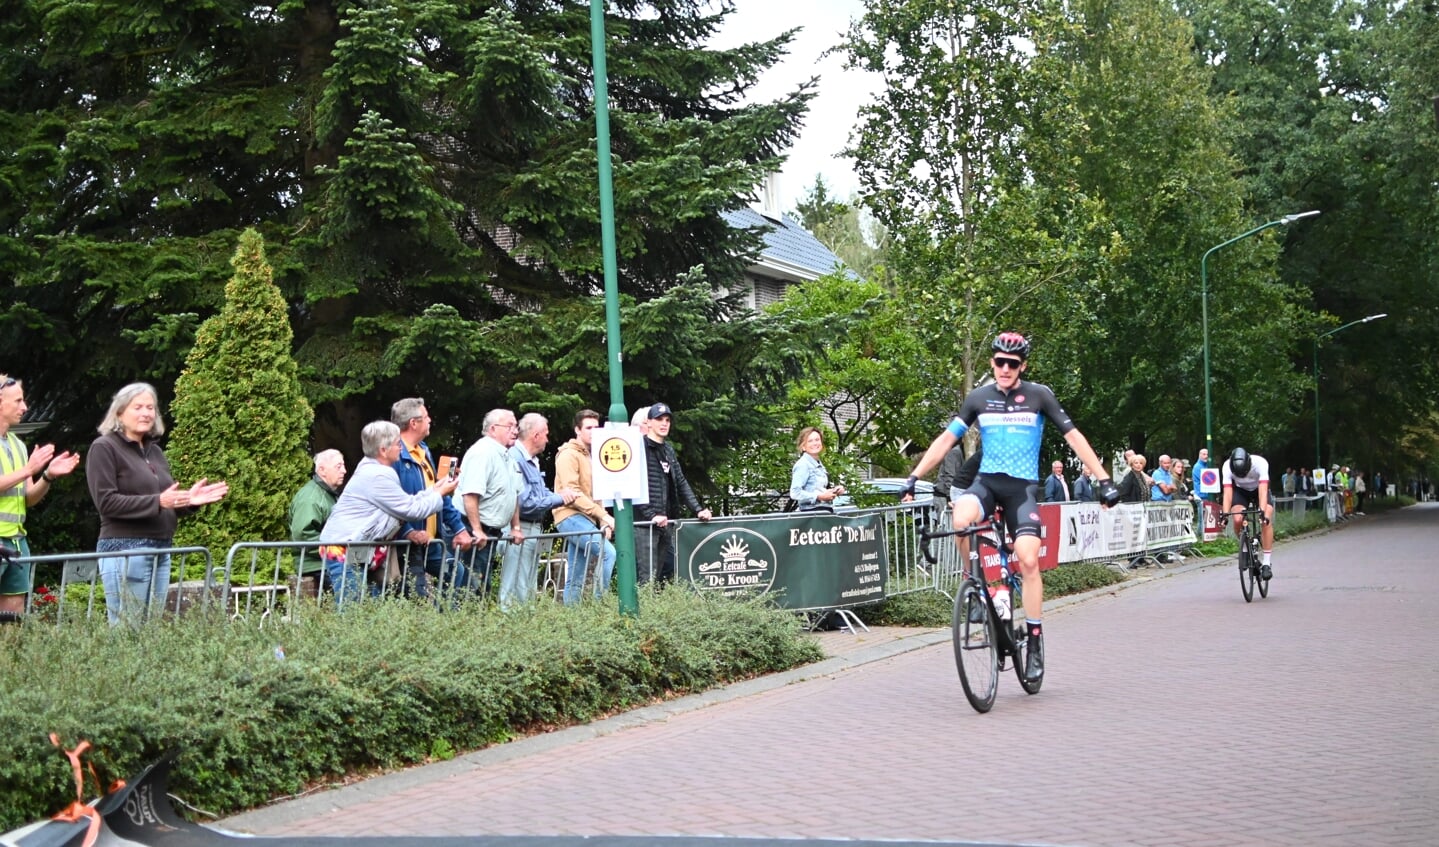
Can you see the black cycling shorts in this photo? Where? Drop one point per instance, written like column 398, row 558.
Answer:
column 1018, row 497
column 1247, row 498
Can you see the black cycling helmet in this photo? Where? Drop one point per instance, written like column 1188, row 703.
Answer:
column 1011, row 342
column 1239, row 464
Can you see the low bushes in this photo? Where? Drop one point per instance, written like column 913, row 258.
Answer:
column 383, row 685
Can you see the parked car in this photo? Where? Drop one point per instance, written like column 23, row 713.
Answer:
column 882, row 491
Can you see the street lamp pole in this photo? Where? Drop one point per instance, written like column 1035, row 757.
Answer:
column 1318, row 459
column 624, row 537
column 1204, row 311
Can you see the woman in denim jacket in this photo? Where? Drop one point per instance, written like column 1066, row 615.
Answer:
column 809, row 484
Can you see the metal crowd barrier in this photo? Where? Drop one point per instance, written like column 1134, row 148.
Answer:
column 80, row 590
column 261, row 582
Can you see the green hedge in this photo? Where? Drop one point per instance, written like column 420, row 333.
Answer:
column 383, row 685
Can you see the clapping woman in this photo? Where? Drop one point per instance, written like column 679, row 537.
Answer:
column 139, row 503
column 1134, row 488
column 809, row 483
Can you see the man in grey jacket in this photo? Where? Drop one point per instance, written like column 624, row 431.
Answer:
column 371, row 508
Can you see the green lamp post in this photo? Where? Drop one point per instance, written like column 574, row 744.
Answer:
column 1204, row 310
column 1318, row 459
column 624, row 510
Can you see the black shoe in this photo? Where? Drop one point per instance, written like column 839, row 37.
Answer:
column 1034, row 659
column 1265, row 572
column 977, row 612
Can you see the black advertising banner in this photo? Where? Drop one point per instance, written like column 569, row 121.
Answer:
column 818, row 561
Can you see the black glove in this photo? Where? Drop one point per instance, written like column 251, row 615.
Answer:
column 908, row 489
column 1108, row 494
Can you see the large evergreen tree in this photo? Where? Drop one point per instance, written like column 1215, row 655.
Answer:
column 239, row 413
column 395, row 154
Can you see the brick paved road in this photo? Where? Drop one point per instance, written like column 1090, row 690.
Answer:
column 1172, row 714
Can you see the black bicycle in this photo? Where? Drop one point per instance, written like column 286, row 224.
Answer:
column 988, row 623
column 1251, row 568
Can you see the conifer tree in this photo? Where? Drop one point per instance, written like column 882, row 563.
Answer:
column 239, row 412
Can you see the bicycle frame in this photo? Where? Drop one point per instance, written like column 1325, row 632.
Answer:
column 1251, row 545
column 983, row 639
column 990, row 533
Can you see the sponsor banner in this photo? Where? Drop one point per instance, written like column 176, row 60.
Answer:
column 1050, row 542
column 989, row 558
column 1123, row 529
column 1168, row 525
column 1049, row 537
column 1213, row 521
column 1080, row 532
column 810, row 562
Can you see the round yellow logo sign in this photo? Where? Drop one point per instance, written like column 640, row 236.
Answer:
column 615, row 455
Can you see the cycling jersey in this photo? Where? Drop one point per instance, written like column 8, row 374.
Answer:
column 1011, row 426
column 1258, row 471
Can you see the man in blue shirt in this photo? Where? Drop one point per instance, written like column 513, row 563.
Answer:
column 1163, row 487
column 520, row 568
column 1200, row 466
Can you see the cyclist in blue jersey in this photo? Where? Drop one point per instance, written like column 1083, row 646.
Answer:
column 1011, row 414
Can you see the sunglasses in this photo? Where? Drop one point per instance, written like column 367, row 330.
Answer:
column 9, row 381
column 1004, row 362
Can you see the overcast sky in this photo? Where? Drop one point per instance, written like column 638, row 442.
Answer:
column 840, row 93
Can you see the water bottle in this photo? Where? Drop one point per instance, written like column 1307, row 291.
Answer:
column 1001, row 602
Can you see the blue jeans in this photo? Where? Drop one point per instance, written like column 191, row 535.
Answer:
column 519, row 567
column 135, row 586
column 449, row 578
column 579, row 550
column 346, row 573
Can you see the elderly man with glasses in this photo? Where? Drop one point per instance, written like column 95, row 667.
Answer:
column 490, row 486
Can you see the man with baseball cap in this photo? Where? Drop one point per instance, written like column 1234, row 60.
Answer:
column 655, row 544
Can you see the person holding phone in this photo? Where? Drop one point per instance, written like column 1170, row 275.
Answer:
column 809, row 486
column 426, row 557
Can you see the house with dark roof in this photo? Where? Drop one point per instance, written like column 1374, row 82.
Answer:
column 790, row 255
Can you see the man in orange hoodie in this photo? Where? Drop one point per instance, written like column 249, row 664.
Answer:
column 579, row 520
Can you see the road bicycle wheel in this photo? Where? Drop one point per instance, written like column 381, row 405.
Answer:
column 1246, row 572
column 976, row 649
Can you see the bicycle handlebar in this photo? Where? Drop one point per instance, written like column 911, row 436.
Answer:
column 1253, row 510
column 925, row 536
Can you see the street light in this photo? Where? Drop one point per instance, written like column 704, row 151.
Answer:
column 1204, row 310
column 624, row 535
column 1318, row 460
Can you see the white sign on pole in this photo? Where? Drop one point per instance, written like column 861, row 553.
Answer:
column 617, row 465
column 1209, row 481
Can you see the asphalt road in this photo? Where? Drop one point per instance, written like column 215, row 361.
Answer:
column 1173, row 713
